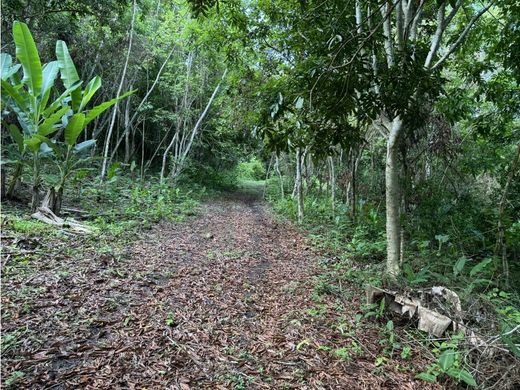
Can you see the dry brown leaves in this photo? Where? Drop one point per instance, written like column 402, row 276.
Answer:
column 218, row 302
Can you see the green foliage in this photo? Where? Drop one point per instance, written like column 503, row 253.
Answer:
column 449, row 364
column 250, row 170
column 208, row 177
column 28, row 99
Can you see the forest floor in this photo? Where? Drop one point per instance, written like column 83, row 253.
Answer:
column 223, row 300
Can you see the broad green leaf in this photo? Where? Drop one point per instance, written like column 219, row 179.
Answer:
column 6, row 66
column 46, row 127
column 50, row 72
column 28, row 126
column 17, row 136
column 447, row 359
column 74, row 128
column 69, row 74
column 27, row 54
column 462, row 375
column 425, row 376
column 59, row 101
column 45, row 150
column 34, row 142
column 21, row 101
column 6, row 62
column 99, row 109
column 459, row 265
column 89, row 91
column 467, row 378
column 84, row 145
column 480, row 266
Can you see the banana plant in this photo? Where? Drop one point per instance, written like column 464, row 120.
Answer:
column 28, row 99
column 38, row 116
column 69, row 158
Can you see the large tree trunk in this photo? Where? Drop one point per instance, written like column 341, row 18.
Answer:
column 299, row 184
column 393, row 228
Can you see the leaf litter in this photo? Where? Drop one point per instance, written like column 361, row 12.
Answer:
column 221, row 301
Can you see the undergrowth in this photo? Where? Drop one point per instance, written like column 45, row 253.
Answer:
column 356, row 251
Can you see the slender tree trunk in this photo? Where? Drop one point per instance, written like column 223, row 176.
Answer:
column 277, row 167
column 2, row 179
column 167, row 152
column 332, row 185
column 353, row 199
column 267, row 173
column 119, row 89
column 142, row 152
column 299, row 184
column 127, row 130
column 196, row 128
column 393, row 228
column 150, row 90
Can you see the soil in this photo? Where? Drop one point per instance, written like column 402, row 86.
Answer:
column 222, row 301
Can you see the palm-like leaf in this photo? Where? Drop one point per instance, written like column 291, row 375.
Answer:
column 17, row 136
column 69, row 74
column 6, row 66
column 89, row 91
column 27, row 54
column 99, row 109
column 74, row 128
column 46, row 127
column 19, row 98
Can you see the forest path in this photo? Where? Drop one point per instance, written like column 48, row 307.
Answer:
column 221, row 301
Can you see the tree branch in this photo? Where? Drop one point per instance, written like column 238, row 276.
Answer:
column 462, row 36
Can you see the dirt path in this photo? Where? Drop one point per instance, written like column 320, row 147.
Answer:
column 223, row 301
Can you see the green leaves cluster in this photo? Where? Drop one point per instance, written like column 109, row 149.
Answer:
column 39, row 116
column 448, row 364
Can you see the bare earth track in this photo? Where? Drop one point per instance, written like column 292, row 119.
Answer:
column 222, row 301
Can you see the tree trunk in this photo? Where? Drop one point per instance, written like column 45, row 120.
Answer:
column 332, row 184
column 353, row 200
column 277, row 167
column 2, row 179
column 15, row 180
column 393, row 229
column 127, row 131
column 267, row 173
column 58, row 199
column 36, row 184
column 119, row 89
column 299, row 184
